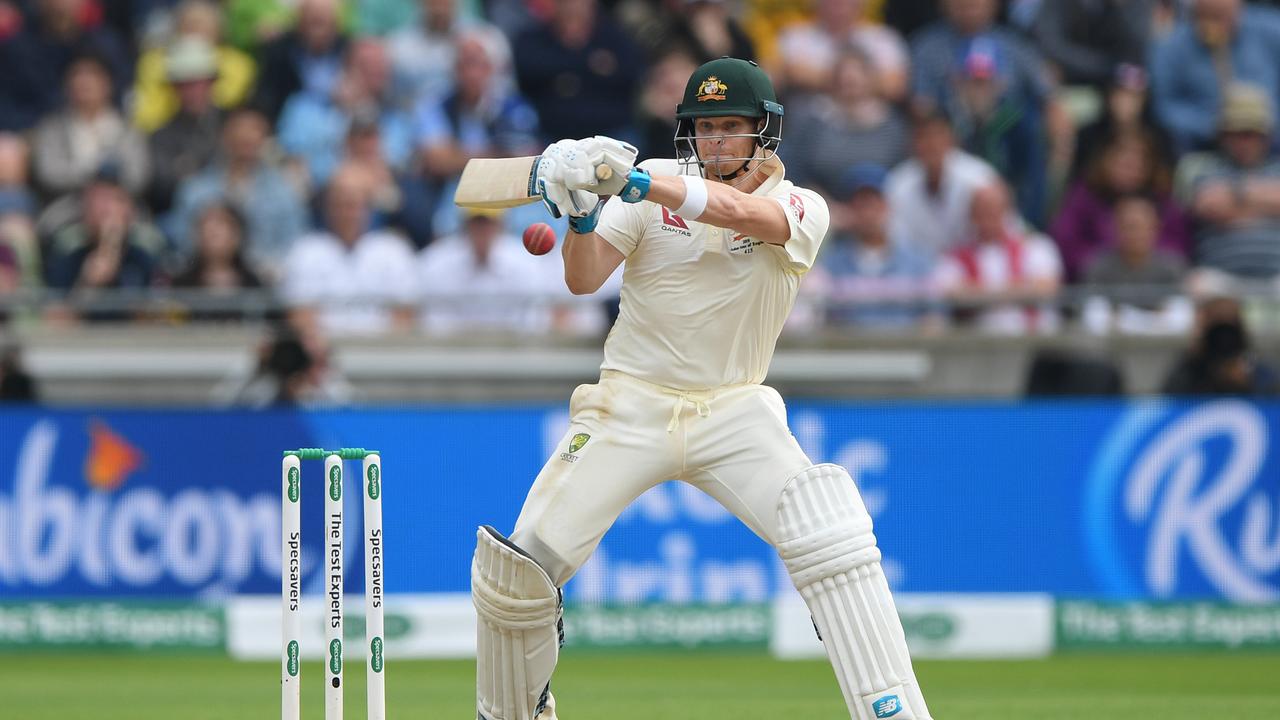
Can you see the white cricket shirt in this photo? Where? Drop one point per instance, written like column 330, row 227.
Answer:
column 353, row 287
column 702, row 306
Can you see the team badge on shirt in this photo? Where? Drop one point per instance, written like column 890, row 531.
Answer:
column 576, row 443
column 712, row 89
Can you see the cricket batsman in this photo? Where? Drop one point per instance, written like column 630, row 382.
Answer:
column 715, row 244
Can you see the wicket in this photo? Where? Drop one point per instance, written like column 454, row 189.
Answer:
column 291, row 579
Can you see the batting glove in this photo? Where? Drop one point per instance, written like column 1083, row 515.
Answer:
column 582, row 207
column 600, row 151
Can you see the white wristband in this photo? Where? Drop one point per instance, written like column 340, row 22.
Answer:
column 695, row 197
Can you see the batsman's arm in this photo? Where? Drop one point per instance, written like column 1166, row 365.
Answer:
column 588, row 261
column 726, row 207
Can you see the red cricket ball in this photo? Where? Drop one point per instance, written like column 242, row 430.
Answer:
column 539, row 238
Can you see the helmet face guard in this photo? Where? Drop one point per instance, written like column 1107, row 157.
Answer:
column 728, row 87
column 767, row 139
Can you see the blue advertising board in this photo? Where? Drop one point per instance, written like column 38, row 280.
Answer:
column 1147, row 499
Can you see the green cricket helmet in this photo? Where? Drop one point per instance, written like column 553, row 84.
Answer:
column 723, row 87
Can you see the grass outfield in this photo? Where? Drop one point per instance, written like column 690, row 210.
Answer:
column 647, row 687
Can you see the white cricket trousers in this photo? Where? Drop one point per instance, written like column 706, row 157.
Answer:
column 732, row 443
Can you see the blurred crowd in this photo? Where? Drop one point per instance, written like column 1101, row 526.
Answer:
column 985, row 161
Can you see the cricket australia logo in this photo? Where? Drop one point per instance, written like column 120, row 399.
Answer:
column 712, row 89
column 576, row 443
column 1189, row 503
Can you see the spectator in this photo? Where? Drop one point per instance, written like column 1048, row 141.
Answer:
column 109, row 248
column 245, row 176
column 309, row 58
column 17, row 243
column 294, row 370
column 423, row 55
column 663, row 90
column 70, row 146
column 1136, row 283
column 1220, row 360
column 1086, row 223
column 16, row 384
column 399, row 198
column 1011, row 271
column 940, row 53
column 703, row 29
column 482, row 281
column 1086, row 39
column 996, row 121
column 1222, row 42
column 221, row 265
column 158, row 95
column 19, row 250
column 807, row 52
column 853, row 124
column 35, row 58
column 929, row 194
column 313, row 127
column 1234, row 193
column 346, row 279
column 478, row 119
column 1126, row 111
column 15, row 185
column 581, row 71
column 873, row 282
column 189, row 141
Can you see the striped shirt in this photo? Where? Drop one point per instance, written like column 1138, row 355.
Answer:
column 1250, row 248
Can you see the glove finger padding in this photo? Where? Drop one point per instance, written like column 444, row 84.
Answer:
column 554, row 161
column 618, row 156
column 574, row 203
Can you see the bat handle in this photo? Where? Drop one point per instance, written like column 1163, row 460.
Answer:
column 603, row 172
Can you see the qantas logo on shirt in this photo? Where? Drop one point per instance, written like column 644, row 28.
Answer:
column 797, row 207
column 674, row 223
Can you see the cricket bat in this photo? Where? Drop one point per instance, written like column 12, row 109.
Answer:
column 500, row 183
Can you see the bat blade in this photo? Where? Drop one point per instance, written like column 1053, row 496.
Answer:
column 500, row 183
column 497, row 183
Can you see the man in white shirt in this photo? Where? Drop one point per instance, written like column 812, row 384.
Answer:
column 1014, row 271
column 347, row 279
column 482, row 281
column 929, row 193
column 715, row 244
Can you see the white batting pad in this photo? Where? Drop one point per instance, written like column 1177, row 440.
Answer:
column 517, row 641
column 828, row 547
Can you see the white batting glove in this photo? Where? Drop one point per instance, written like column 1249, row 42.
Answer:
column 574, row 203
column 582, row 207
column 618, row 156
column 562, row 159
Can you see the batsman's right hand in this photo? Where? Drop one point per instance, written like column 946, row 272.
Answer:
column 560, row 200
